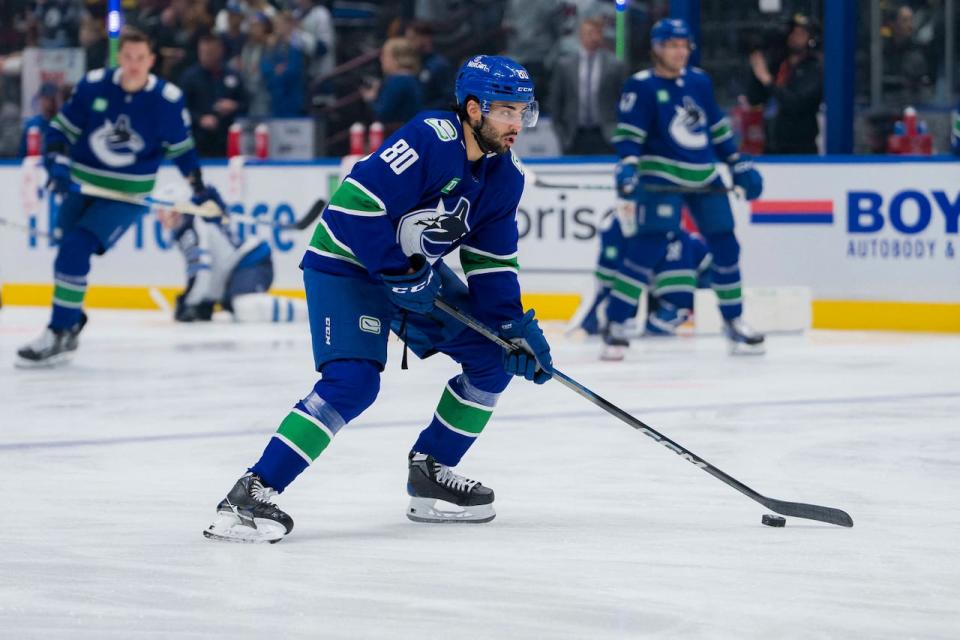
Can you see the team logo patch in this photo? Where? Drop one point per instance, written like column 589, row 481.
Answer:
column 116, row 144
column 443, row 128
column 663, row 96
column 432, row 231
column 450, row 186
column 370, row 324
column 689, row 125
column 100, row 104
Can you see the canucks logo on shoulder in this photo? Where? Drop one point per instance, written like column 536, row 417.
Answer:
column 432, row 231
column 688, row 127
column 116, row 144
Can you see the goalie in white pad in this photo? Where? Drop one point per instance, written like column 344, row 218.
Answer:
column 223, row 270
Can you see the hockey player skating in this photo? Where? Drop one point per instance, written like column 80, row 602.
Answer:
column 445, row 180
column 670, row 135
column 112, row 133
column 224, row 270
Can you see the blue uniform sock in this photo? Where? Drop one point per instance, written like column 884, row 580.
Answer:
column 70, row 271
column 725, row 273
column 346, row 389
column 461, row 415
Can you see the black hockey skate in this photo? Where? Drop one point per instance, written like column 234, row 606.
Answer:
column 615, row 342
column 52, row 348
column 742, row 339
column 437, row 494
column 247, row 515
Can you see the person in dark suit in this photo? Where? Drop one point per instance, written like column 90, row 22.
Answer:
column 584, row 94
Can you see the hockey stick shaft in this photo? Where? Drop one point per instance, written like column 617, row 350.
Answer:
column 25, row 228
column 793, row 509
column 652, row 188
column 199, row 210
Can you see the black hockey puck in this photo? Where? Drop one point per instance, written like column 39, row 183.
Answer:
column 773, row 521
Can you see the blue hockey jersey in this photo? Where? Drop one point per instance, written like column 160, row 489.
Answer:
column 673, row 128
column 118, row 139
column 418, row 193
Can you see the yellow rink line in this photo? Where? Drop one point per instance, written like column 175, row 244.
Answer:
column 827, row 314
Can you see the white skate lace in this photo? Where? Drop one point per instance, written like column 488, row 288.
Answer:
column 448, row 478
column 261, row 493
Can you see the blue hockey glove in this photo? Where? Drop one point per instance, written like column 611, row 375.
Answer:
column 746, row 176
column 58, row 173
column 533, row 360
column 628, row 182
column 414, row 291
column 209, row 193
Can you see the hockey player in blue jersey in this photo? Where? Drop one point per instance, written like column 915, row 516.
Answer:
column 670, row 135
column 221, row 269
column 112, row 133
column 445, row 181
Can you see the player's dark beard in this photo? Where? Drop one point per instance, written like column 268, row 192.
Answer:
column 488, row 139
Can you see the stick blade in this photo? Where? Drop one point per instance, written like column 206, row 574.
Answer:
column 314, row 213
column 810, row 512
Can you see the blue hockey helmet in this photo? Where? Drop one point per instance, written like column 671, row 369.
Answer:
column 670, row 29
column 497, row 79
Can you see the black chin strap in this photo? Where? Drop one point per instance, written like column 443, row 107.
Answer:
column 476, row 136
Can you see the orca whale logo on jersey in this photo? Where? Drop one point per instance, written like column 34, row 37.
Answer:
column 432, row 231
column 116, row 144
column 689, row 125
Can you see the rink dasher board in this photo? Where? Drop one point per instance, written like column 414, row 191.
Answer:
column 853, row 232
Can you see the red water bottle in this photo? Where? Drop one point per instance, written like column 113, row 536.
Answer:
column 261, row 141
column 33, row 141
column 233, row 139
column 358, row 132
column 910, row 121
column 376, row 136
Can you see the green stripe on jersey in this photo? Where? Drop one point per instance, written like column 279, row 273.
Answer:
column 305, row 434
column 956, row 124
column 461, row 414
column 180, row 148
column 666, row 168
column 629, row 132
column 630, row 288
column 728, row 293
column 69, row 129
column 324, row 243
column 352, row 198
column 682, row 281
column 476, row 262
column 110, row 180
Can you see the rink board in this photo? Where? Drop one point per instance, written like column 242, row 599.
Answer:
column 875, row 242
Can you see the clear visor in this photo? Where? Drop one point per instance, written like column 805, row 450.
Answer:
column 521, row 114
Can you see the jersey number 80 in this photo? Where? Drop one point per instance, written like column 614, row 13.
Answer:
column 400, row 156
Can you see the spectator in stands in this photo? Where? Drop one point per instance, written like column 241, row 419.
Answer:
column 316, row 21
column 282, row 68
column 235, row 36
column 249, row 8
column 906, row 75
column 214, row 95
column 436, row 71
column 398, row 97
column 57, row 22
column 533, row 28
column 93, row 39
column 792, row 96
column 585, row 88
column 251, row 57
column 48, row 104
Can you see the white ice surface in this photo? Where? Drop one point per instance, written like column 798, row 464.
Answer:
column 112, row 466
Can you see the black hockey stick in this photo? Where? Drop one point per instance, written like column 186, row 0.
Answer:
column 793, row 509
column 306, row 221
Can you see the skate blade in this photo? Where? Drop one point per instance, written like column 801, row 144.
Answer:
column 228, row 528
column 431, row 510
column 52, row 362
column 742, row 349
